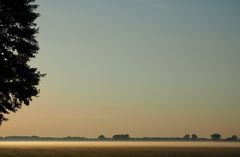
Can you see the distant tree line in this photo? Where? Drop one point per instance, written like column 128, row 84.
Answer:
column 186, row 137
column 214, row 137
column 122, row 137
column 192, row 137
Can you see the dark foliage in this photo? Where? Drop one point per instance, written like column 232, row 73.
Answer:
column 194, row 136
column 187, row 136
column 232, row 138
column 216, row 136
column 121, row 137
column 101, row 137
column 18, row 81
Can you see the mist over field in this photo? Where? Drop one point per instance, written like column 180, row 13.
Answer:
column 120, row 149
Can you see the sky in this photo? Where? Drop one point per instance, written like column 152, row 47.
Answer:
column 143, row 67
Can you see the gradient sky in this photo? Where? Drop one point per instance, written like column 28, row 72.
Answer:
column 143, row 67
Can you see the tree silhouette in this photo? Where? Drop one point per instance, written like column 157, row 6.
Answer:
column 121, row 137
column 18, row 81
column 194, row 136
column 187, row 136
column 232, row 138
column 101, row 137
column 216, row 136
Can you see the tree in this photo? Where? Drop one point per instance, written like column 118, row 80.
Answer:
column 101, row 137
column 121, row 137
column 194, row 136
column 187, row 136
column 233, row 138
column 18, row 81
column 216, row 136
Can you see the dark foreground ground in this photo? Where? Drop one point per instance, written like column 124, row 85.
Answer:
column 120, row 152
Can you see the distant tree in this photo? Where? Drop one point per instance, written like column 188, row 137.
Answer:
column 101, row 137
column 233, row 138
column 18, row 81
column 187, row 136
column 121, row 137
column 216, row 136
column 194, row 136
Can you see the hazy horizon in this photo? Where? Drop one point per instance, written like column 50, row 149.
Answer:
column 143, row 67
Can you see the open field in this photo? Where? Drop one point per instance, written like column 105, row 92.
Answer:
column 117, row 149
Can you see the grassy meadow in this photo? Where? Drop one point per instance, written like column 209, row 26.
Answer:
column 88, row 150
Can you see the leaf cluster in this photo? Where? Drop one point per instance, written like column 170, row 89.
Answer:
column 18, row 45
